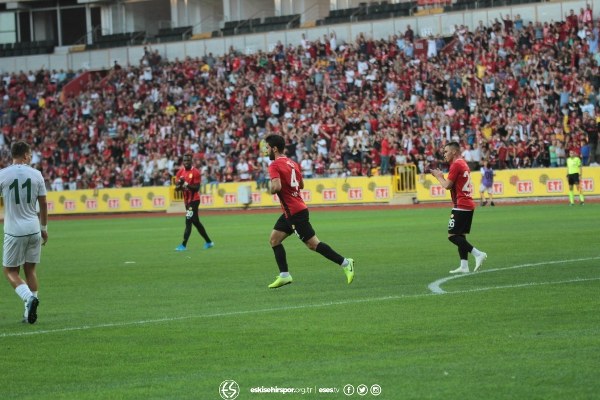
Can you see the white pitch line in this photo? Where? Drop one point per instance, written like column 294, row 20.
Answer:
column 269, row 310
column 435, row 286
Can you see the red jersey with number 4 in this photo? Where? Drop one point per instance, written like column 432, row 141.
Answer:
column 192, row 177
column 288, row 171
column 463, row 188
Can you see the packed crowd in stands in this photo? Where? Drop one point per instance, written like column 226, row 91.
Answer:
column 518, row 94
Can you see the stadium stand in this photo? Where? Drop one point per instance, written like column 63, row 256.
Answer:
column 26, row 48
column 117, row 40
column 519, row 94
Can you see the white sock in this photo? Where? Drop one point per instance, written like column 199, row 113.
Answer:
column 35, row 294
column 345, row 262
column 475, row 252
column 23, row 292
column 464, row 264
column 284, row 274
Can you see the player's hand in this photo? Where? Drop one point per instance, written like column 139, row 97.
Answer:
column 436, row 172
column 44, row 237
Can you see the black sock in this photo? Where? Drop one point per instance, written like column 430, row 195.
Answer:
column 464, row 247
column 186, row 233
column 280, row 258
column 201, row 230
column 327, row 252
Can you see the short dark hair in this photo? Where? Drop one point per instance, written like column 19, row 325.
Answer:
column 19, row 149
column 454, row 145
column 276, row 141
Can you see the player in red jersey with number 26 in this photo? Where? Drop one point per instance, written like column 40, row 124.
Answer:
column 461, row 217
column 286, row 182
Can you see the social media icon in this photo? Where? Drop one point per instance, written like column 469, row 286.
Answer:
column 348, row 390
column 362, row 390
column 375, row 390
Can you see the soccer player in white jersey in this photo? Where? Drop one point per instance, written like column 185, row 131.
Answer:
column 24, row 231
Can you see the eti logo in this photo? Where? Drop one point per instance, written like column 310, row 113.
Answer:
column 229, row 389
column 525, row 187
column 355, row 194
column 159, row 201
column 69, row 205
column 554, row 186
column 382, row 192
column 437, row 191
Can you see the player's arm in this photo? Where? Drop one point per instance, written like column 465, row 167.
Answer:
column 43, row 218
column 439, row 175
column 193, row 187
column 301, row 182
column 179, row 181
column 275, row 185
column 194, row 184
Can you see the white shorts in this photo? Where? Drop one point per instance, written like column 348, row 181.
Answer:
column 489, row 189
column 21, row 249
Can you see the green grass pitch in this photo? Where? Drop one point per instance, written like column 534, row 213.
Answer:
column 124, row 316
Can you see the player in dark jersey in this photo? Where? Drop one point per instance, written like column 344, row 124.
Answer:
column 459, row 225
column 188, row 181
column 286, row 182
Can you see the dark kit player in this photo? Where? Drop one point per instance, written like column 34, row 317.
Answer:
column 286, row 182
column 188, row 180
column 459, row 225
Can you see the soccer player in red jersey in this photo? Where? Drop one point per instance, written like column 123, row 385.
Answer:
column 459, row 225
column 286, row 182
column 188, row 180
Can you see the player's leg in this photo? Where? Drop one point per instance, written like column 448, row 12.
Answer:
column 12, row 276
column 571, row 181
column 32, row 282
column 31, row 305
column 482, row 195
column 31, row 277
column 571, row 195
column 15, row 254
column 458, row 227
column 454, row 233
column 199, row 227
column 32, row 258
column 187, row 231
column 22, row 290
column 306, row 233
column 280, row 232
column 581, row 198
column 465, row 227
column 491, row 196
column 463, row 252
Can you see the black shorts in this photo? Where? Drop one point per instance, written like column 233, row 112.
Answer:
column 460, row 222
column 298, row 223
column 573, row 179
column 191, row 209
